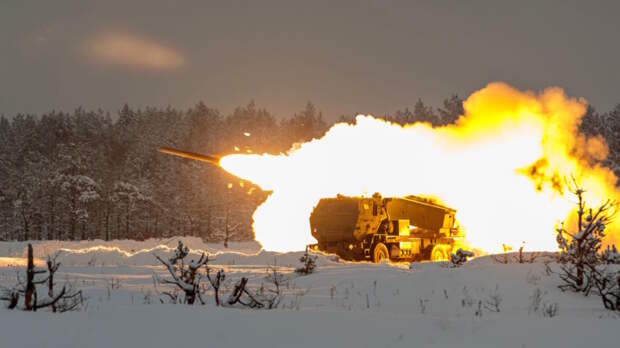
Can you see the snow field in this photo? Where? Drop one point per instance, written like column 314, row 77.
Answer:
column 341, row 305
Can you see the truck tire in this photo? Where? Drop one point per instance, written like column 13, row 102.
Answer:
column 441, row 252
column 380, row 252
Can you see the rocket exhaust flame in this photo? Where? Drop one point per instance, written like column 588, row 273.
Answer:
column 503, row 166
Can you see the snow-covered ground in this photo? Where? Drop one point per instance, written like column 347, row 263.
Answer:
column 341, row 305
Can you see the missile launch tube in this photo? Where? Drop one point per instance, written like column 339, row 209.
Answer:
column 191, row 155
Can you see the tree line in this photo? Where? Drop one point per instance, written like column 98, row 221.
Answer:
column 97, row 175
column 90, row 174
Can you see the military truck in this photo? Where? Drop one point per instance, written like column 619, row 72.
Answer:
column 375, row 228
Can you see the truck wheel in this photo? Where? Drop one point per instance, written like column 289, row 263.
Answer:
column 380, row 252
column 441, row 252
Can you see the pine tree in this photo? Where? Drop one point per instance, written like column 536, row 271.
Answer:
column 579, row 250
column 451, row 110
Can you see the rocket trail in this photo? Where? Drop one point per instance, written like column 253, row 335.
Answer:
column 191, row 155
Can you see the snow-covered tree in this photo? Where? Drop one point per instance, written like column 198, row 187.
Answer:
column 607, row 126
column 78, row 191
column 127, row 197
column 308, row 263
column 610, row 255
column 579, row 250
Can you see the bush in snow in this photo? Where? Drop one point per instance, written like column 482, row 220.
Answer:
column 184, row 275
column 538, row 305
column 308, row 263
column 550, row 309
column 582, row 268
column 216, row 283
column 606, row 280
column 579, row 250
column 65, row 300
column 460, row 257
column 261, row 298
column 611, row 256
column 493, row 300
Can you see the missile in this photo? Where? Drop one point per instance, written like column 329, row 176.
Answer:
column 191, row 155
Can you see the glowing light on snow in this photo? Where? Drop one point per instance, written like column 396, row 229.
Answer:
column 19, row 262
column 503, row 166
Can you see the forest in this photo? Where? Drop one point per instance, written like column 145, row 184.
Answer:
column 98, row 175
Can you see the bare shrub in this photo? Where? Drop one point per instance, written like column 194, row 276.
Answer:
column 532, row 278
column 535, row 301
column 262, row 298
column 278, row 280
column 467, row 300
column 295, row 302
column 504, row 259
column 112, row 284
column 493, row 300
column 522, row 258
column 67, row 299
column 184, row 275
column 422, row 304
column 607, row 284
column 93, row 261
column 216, row 283
column 147, row 296
column 550, row 309
column 478, row 312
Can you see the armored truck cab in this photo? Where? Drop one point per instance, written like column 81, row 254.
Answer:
column 377, row 228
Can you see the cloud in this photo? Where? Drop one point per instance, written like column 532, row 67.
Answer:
column 133, row 51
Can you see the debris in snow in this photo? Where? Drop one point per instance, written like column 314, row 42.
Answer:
column 460, row 257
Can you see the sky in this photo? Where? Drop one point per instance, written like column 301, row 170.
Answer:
column 370, row 57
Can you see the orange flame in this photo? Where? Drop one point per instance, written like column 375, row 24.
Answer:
column 503, row 166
